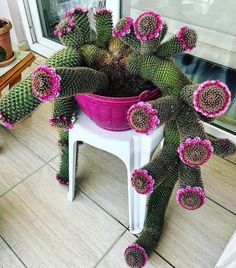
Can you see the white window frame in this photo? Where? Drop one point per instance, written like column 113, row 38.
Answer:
column 33, row 30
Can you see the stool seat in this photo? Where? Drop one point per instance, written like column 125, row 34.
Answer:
column 132, row 148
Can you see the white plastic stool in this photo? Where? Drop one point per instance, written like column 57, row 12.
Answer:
column 133, row 149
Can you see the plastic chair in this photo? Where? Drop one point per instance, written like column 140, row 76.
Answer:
column 133, row 149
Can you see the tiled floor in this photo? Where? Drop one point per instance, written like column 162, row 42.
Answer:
column 40, row 228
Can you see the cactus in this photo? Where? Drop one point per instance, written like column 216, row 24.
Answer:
column 184, row 40
column 63, row 114
column 63, row 174
column 125, row 31
column 18, row 103
column 104, row 24
column 182, row 106
column 74, row 29
column 50, row 83
column 135, row 52
column 67, row 57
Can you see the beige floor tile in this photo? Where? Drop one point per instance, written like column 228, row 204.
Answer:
column 37, row 138
column 115, row 257
column 103, row 177
column 55, row 162
column 220, row 182
column 41, row 118
column 46, row 230
column 29, row 70
column 195, row 239
column 232, row 158
column 40, row 60
column 7, row 258
column 36, row 132
column 17, row 161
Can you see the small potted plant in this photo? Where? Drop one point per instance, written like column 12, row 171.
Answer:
column 6, row 53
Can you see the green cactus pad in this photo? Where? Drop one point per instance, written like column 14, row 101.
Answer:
column 19, row 102
column 80, row 80
column 67, row 57
column 104, row 26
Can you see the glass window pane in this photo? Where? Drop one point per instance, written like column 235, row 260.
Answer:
column 51, row 11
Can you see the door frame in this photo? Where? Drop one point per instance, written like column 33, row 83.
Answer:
column 33, row 29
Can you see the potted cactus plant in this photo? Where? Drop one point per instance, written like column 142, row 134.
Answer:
column 137, row 49
column 6, row 52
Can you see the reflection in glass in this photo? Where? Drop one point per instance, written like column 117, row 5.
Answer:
column 51, row 11
column 200, row 70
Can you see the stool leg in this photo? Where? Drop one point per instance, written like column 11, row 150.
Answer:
column 137, row 202
column 73, row 148
column 137, row 208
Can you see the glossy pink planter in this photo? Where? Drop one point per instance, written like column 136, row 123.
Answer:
column 111, row 113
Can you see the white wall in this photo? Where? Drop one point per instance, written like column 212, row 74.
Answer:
column 9, row 9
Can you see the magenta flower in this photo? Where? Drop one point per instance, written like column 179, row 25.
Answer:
column 62, row 180
column 61, row 121
column 148, row 26
column 191, row 198
column 143, row 118
column 46, row 83
column 136, row 256
column 102, row 12
column 74, row 11
column 123, row 27
column 142, row 182
column 195, row 152
column 187, row 37
column 5, row 122
column 65, row 26
column 212, row 98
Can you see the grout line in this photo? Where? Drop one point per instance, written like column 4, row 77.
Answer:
column 160, row 255
column 222, row 206
column 23, row 180
column 164, row 259
column 113, row 244
column 26, row 146
column 229, row 161
column 52, row 160
column 79, row 189
column 101, row 207
column 13, row 251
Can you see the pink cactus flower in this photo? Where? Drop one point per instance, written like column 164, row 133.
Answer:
column 62, row 180
column 136, row 256
column 212, row 98
column 5, row 122
column 103, row 11
column 143, row 118
column 191, row 198
column 46, row 83
column 195, row 151
column 188, row 38
column 142, row 182
column 148, row 26
column 123, row 27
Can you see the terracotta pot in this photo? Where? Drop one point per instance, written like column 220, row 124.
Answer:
column 6, row 52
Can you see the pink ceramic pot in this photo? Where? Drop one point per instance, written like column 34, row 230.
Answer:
column 111, row 113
